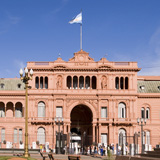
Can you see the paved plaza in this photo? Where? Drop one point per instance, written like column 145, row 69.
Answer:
column 58, row 157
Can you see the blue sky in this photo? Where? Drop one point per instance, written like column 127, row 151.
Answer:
column 38, row 30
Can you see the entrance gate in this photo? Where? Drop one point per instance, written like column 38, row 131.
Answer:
column 130, row 143
column 61, row 141
column 81, row 129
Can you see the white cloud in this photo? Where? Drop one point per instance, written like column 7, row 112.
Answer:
column 19, row 64
column 151, row 62
column 8, row 21
column 51, row 14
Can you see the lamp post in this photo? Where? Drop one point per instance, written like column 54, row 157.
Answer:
column 25, row 79
column 59, row 120
column 141, row 122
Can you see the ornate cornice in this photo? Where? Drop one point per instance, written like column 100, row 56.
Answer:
column 88, row 69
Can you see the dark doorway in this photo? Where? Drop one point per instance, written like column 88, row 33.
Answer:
column 81, row 125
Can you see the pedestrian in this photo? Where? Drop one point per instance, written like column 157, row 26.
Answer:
column 119, row 150
column 126, row 150
column 101, row 149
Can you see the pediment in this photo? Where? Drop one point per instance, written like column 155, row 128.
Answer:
column 103, row 60
column 59, row 59
column 81, row 56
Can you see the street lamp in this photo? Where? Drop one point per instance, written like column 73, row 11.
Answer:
column 59, row 120
column 141, row 122
column 25, row 79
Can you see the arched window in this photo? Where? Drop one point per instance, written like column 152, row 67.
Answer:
column 2, row 109
column 9, row 109
column 69, row 82
column 19, row 85
column 81, row 82
column 121, row 110
column 2, row 134
column 142, row 113
column 41, row 109
column 37, row 82
column 126, row 82
column 87, row 82
column 18, row 110
column 94, row 82
column 41, row 135
column 117, row 83
column 2, row 85
column 121, row 83
column 122, row 136
column 15, row 135
column 147, row 137
column 75, row 82
column 46, row 82
column 147, row 113
column 41, row 82
column 20, row 135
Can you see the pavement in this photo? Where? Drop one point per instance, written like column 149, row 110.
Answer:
column 58, row 157
column 65, row 157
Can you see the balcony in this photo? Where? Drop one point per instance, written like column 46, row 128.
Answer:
column 41, row 120
column 125, row 121
column 12, row 119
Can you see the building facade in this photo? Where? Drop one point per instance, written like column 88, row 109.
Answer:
column 97, row 101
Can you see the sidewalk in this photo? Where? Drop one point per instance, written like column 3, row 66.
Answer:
column 58, row 157
column 65, row 157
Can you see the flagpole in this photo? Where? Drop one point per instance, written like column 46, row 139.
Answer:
column 81, row 36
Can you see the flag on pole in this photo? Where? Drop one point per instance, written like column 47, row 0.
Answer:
column 77, row 19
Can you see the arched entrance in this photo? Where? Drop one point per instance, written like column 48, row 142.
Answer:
column 81, row 127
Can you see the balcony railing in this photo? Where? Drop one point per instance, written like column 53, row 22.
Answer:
column 41, row 120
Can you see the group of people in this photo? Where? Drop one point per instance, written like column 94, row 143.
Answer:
column 120, row 150
column 101, row 150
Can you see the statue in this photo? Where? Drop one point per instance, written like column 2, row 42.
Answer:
column 59, row 82
column 103, row 83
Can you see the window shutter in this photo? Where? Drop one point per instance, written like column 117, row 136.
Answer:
column 20, row 135
column 58, row 111
column 41, row 135
column 2, row 112
column 103, row 112
column 41, row 109
column 15, row 135
column 2, row 134
column 104, row 138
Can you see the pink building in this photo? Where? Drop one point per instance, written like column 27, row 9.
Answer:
column 97, row 100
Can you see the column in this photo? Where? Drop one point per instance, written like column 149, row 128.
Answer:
column 93, row 131
column 43, row 82
column 90, row 82
column 64, row 128
column 78, row 82
column 99, row 135
column 84, row 82
column 72, row 83
column 124, row 83
column 13, row 110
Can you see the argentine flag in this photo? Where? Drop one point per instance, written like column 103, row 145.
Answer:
column 77, row 19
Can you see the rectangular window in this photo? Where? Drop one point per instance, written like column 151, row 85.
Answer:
column 103, row 112
column 59, row 111
column 104, row 139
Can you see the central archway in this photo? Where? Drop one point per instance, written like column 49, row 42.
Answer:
column 81, row 124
